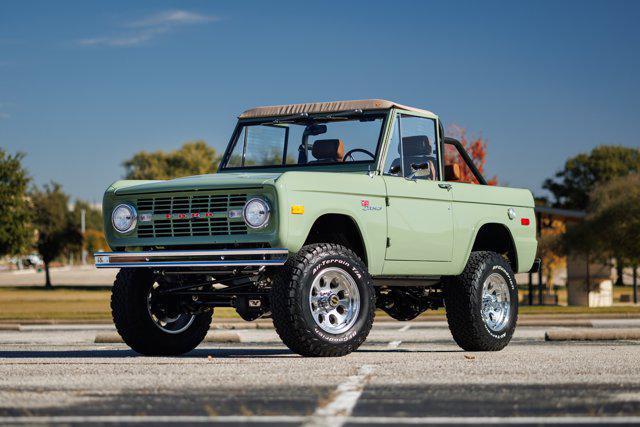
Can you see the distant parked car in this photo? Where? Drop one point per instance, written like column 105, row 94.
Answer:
column 32, row 260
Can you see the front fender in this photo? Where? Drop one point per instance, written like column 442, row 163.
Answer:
column 357, row 196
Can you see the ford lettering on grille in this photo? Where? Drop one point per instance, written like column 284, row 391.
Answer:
column 191, row 215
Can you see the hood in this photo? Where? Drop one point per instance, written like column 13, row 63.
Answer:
column 198, row 182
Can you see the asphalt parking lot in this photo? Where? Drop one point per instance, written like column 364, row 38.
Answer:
column 406, row 373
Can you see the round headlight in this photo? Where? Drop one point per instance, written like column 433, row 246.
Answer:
column 124, row 218
column 256, row 213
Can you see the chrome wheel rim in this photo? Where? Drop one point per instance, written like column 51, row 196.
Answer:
column 168, row 324
column 496, row 302
column 334, row 300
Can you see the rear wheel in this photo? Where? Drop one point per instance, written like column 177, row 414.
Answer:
column 323, row 301
column 150, row 322
column 482, row 303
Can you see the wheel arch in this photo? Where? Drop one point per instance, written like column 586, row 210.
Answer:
column 341, row 229
column 495, row 237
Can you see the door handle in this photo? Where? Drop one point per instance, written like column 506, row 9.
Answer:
column 445, row 186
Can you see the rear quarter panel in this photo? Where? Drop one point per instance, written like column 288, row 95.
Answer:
column 476, row 205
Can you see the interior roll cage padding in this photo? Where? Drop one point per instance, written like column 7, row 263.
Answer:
column 465, row 156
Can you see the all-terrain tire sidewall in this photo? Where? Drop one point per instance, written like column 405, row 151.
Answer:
column 501, row 268
column 463, row 301
column 291, row 311
column 355, row 270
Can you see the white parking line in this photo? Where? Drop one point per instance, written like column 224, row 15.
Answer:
column 151, row 419
column 394, row 344
column 405, row 328
column 495, row 420
column 281, row 419
column 345, row 397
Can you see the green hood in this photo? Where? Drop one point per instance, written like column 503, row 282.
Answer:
column 198, row 182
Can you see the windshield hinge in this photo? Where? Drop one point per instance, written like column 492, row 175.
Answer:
column 388, row 242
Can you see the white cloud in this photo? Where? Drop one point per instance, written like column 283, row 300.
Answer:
column 173, row 18
column 148, row 28
column 126, row 40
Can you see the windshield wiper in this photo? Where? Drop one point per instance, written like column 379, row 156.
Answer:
column 296, row 117
column 287, row 119
column 344, row 114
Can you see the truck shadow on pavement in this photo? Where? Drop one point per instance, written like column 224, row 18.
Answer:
column 123, row 353
column 195, row 354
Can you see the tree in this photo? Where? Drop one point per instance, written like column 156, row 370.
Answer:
column 550, row 248
column 57, row 230
column 614, row 215
column 94, row 241
column 93, row 215
column 571, row 186
column 612, row 225
column 477, row 149
column 193, row 158
column 16, row 234
column 93, row 237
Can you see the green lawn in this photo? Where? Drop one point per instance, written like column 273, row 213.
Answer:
column 87, row 304
column 60, row 304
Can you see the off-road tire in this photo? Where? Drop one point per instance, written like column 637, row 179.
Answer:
column 134, row 324
column 290, row 305
column 463, row 302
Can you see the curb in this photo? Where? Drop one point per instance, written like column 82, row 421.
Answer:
column 222, row 337
column 592, row 335
column 556, row 322
column 108, row 338
column 214, row 336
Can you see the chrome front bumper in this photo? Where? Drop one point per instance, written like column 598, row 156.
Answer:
column 196, row 258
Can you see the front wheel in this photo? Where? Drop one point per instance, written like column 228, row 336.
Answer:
column 151, row 323
column 323, row 301
column 482, row 303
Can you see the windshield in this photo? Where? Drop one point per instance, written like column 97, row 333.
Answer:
column 305, row 140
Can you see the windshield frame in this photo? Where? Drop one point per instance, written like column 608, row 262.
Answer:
column 357, row 165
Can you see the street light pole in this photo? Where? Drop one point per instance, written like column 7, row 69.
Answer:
column 635, row 284
column 83, row 214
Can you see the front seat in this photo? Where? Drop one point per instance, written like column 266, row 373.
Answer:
column 327, row 151
column 417, row 150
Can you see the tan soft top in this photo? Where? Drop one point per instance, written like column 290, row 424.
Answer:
column 326, row 107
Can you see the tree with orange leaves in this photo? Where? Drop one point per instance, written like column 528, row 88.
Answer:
column 477, row 149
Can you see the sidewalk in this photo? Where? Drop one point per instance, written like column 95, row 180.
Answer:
column 86, row 275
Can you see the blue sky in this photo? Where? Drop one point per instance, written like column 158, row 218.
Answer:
column 84, row 85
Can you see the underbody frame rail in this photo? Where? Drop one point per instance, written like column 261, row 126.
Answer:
column 193, row 258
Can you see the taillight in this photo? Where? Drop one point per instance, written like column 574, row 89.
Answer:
column 525, row 221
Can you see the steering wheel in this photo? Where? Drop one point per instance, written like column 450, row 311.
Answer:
column 357, row 150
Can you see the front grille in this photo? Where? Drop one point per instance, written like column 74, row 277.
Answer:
column 191, row 215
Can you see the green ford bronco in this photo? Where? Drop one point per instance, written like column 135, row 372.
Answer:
column 318, row 214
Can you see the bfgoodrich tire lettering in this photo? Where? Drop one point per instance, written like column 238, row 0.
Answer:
column 290, row 301
column 464, row 303
column 135, row 326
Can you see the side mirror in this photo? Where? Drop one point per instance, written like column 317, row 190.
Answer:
column 420, row 166
column 452, row 172
column 395, row 169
